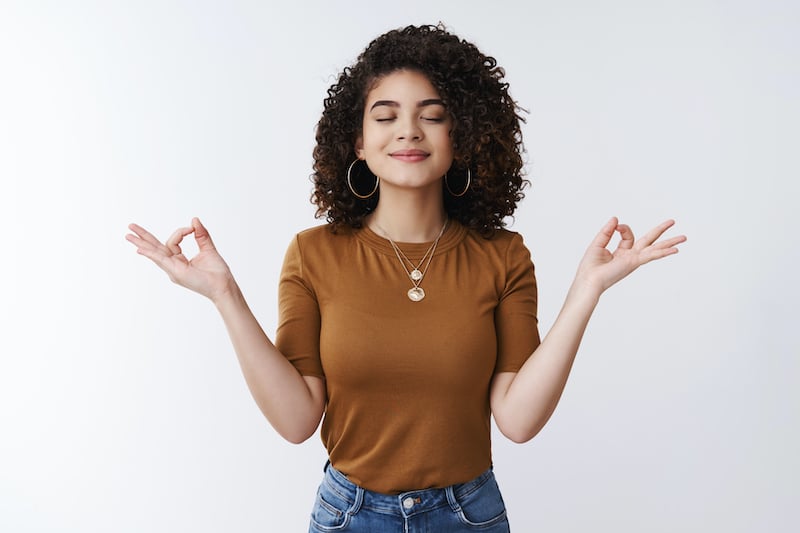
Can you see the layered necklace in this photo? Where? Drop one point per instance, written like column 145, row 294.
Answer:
column 416, row 272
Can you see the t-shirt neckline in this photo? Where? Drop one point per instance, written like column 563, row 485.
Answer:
column 453, row 234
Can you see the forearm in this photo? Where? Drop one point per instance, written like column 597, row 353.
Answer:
column 524, row 405
column 292, row 406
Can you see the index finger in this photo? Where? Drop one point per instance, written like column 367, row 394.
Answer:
column 173, row 243
column 626, row 237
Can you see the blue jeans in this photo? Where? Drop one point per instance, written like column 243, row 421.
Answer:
column 343, row 506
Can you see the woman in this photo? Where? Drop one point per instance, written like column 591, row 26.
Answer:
column 410, row 318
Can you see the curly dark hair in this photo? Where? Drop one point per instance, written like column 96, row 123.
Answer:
column 486, row 133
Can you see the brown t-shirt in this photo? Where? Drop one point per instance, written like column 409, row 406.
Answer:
column 407, row 382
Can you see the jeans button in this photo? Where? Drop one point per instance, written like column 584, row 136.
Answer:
column 408, row 503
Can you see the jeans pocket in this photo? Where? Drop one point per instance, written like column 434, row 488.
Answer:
column 330, row 511
column 483, row 506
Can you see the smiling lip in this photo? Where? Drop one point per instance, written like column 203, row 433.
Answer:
column 409, row 155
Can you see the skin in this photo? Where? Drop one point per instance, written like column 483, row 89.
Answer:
column 292, row 403
column 406, row 141
column 523, row 402
column 410, row 152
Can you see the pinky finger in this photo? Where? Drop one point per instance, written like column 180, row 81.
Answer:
column 148, row 249
column 671, row 242
column 659, row 253
column 152, row 255
column 142, row 244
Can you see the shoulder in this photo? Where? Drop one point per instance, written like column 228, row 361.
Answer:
column 505, row 237
column 322, row 235
column 504, row 254
column 321, row 231
column 319, row 244
column 503, row 242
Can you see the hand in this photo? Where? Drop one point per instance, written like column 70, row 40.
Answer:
column 600, row 268
column 206, row 273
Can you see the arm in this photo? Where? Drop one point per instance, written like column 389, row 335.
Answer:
column 523, row 401
column 292, row 403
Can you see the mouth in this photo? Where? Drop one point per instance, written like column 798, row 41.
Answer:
column 409, row 155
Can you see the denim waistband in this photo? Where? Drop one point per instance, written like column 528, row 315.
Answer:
column 405, row 504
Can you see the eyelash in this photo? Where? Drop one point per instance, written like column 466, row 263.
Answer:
column 427, row 119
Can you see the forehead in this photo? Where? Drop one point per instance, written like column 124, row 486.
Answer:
column 402, row 84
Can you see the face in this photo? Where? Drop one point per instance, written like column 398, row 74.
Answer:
column 406, row 132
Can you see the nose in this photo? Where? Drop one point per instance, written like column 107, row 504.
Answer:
column 408, row 129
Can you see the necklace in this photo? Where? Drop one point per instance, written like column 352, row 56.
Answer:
column 415, row 293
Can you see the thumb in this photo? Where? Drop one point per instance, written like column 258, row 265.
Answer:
column 604, row 236
column 201, row 235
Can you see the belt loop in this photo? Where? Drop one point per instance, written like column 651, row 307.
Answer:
column 451, row 499
column 359, row 500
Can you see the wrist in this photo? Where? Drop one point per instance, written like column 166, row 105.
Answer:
column 230, row 293
column 585, row 291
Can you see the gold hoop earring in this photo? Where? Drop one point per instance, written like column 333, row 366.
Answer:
column 466, row 188
column 350, row 183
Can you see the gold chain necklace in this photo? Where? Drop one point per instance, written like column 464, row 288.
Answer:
column 415, row 293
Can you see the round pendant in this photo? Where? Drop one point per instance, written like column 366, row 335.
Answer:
column 416, row 275
column 416, row 294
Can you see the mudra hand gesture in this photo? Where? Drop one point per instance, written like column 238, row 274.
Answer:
column 206, row 273
column 600, row 268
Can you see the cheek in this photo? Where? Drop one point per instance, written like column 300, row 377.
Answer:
column 446, row 142
column 367, row 134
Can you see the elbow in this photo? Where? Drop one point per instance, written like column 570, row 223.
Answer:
column 297, row 435
column 298, row 431
column 518, row 433
column 519, row 437
column 296, row 438
column 297, row 426
column 522, row 426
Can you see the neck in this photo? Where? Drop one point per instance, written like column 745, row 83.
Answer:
column 408, row 217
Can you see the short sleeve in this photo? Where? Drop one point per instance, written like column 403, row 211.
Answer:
column 516, row 322
column 297, row 336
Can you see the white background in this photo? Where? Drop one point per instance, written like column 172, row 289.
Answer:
column 122, row 407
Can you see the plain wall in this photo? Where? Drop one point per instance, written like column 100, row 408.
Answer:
column 122, row 407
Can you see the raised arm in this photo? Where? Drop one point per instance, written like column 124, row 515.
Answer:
column 523, row 401
column 292, row 403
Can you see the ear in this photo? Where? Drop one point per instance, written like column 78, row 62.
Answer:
column 359, row 147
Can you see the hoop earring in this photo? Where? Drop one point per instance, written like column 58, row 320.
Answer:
column 350, row 183
column 462, row 193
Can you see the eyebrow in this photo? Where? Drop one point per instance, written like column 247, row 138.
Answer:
column 421, row 103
